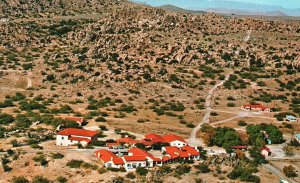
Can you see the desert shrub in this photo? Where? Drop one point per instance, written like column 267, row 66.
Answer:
column 75, row 163
column 231, row 98
column 214, row 114
column 295, row 143
column 243, row 174
column 57, row 156
column 62, row 179
column 118, row 180
column 15, row 143
column 22, row 121
column 40, row 179
column 202, row 168
column 18, row 97
column 6, row 103
column 6, row 168
column 89, row 166
column 103, row 127
column 230, row 104
column 41, row 159
column 182, row 169
column 190, row 125
column 141, row 171
column 19, row 179
column 290, row 171
column 242, row 123
column 6, row 118
column 131, row 175
column 165, row 169
column 126, row 108
column 100, row 119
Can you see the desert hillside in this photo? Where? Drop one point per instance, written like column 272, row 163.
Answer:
column 130, row 69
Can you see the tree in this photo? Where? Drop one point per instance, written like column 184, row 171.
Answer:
column 275, row 134
column 225, row 137
column 255, row 153
column 290, row 171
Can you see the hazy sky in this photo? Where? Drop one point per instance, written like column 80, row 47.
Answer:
column 291, row 4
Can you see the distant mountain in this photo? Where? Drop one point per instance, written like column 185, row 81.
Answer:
column 173, row 8
column 275, row 13
column 222, row 5
column 248, row 13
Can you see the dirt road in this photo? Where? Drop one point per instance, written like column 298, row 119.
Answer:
column 192, row 140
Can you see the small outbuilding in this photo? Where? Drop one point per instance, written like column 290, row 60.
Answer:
column 291, row 118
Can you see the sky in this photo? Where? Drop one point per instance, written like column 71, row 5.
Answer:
column 289, row 4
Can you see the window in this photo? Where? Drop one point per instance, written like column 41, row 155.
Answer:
column 140, row 164
column 62, row 138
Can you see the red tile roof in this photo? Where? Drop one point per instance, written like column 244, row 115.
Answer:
column 266, row 149
column 146, row 143
column 175, row 152
column 77, row 132
column 166, row 158
column 239, row 147
column 154, row 137
column 107, row 156
column 127, row 140
column 118, row 161
column 134, row 158
column 139, row 152
column 171, row 138
column 191, row 150
column 255, row 106
column 110, row 145
column 80, row 139
column 75, row 119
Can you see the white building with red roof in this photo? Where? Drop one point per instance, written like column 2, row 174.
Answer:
column 185, row 153
column 151, row 160
column 175, row 140
column 256, row 107
column 73, row 136
column 109, row 159
column 134, row 161
column 78, row 120
column 265, row 151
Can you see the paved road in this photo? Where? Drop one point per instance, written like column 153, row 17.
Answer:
column 192, row 140
column 277, row 172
